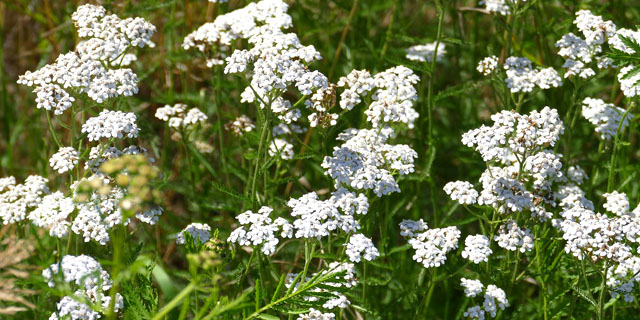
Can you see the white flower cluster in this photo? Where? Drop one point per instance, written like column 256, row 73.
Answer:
column 238, row 24
column 360, row 246
column 472, row 288
column 52, row 214
column 393, row 99
column 522, row 77
column 628, row 84
column 198, row 231
column 487, row 65
column 498, row 6
column 605, row 116
column 494, row 299
column 111, row 124
column 461, row 191
column 282, row 148
column 94, row 66
column 314, row 314
column 518, row 143
column 240, row 125
column 515, row 133
column 348, row 280
column 258, row 229
column 511, row 237
column 595, row 235
column 364, row 161
column 17, row 199
column 356, row 84
column 432, row 245
column 178, row 116
column 622, row 277
column 318, row 218
column 98, row 215
column 476, row 248
column 274, row 62
column 425, row 52
column 617, row 203
column 579, row 53
column 93, row 284
column 64, row 160
column 410, row 228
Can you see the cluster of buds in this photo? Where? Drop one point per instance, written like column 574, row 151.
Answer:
column 133, row 174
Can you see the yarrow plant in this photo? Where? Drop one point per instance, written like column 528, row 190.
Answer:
column 272, row 159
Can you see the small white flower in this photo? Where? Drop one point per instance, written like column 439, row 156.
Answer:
column 461, row 191
column 476, row 248
column 487, row 65
column 361, row 246
column 64, row 160
column 199, row 232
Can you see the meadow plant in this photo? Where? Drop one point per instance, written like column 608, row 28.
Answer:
column 320, row 160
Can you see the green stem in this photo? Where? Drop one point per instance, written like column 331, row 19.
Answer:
column 615, row 149
column 117, row 240
column 432, row 71
column 263, row 137
column 53, row 133
column 175, row 301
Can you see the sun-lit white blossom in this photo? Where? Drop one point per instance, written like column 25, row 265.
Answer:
column 360, row 246
column 461, row 191
column 259, row 230
column 111, row 124
column 199, row 232
column 511, row 237
column 476, row 248
column 64, row 160
column 605, row 116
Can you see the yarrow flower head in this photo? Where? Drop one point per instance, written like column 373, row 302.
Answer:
column 511, row 237
column 522, row 77
column 487, row 65
column 476, row 248
column 498, row 6
column 461, row 191
column 432, row 245
column 360, row 246
column 494, row 299
column 317, row 218
column 282, row 148
column 16, row 200
column 111, row 124
column 199, row 232
column 94, row 67
column 259, row 230
column 64, row 160
column 179, row 118
column 580, row 53
column 425, row 52
column 93, row 284
column 605, row 116
column 240, row 125
column 472, row 288
column 363, row 161
column 52, row 213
